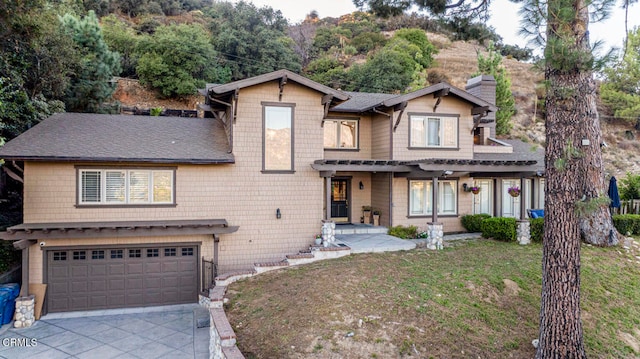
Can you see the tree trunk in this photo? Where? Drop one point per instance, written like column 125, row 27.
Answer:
column 596, row 224
column 571, row 115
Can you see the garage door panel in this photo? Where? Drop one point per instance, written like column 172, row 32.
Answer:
column 98, row 285
column 153, row 283
column 101, row 278
column 116, row 300
column 98, row 301
column 152, row 267
column 134, row 268
column 116, row 284
column 80, row 302
column 133, row 283
column 79, row 287
column 59, row 271
column 187, row 266
column 116, row 269
column 168, row 267
column 79, row 270
column 98, row 270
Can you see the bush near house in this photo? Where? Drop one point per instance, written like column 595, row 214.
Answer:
column 627, row 223
column 536, row 229
column 472, row 222
column 403, row 232
column 499, row 228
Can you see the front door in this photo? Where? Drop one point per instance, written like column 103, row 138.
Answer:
column 340, row 200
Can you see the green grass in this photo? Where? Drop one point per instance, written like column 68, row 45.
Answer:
column 452, row 303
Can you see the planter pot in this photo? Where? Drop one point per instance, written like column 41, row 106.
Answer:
column 376, row 219
column 475, row 191
column 367, row 217
column 319, row 241
column 514, row 194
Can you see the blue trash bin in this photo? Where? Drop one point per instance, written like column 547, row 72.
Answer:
column 12, row 291
column 4, row 298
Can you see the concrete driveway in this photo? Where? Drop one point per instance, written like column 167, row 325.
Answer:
column 158, row 332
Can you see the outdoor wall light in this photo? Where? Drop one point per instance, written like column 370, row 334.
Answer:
column 278, row 214
column 464, row 187
column 361, row 185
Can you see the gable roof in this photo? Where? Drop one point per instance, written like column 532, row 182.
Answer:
column 122, row 138
column 275, row 75
column 362, row 102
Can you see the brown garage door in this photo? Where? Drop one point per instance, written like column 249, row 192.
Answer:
column 102, row 278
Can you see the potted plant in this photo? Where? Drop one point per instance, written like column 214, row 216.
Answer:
column 366, row 213
column 376, row 217
column 474, row 189
column 318, row 239
column 514, row 191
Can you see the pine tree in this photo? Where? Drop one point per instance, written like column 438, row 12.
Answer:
column 506, row 103
column 92, row 84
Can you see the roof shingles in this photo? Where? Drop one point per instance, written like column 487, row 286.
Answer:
column 122, row 138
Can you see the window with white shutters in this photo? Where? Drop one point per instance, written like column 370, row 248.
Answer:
column 125, row 186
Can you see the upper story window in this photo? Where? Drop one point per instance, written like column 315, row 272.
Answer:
column 421, row 197
column 433, row 131
column 277, row 138
column 341, row 134
column 125, row 186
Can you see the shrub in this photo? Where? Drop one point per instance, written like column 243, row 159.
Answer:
column 471, row 222
column 499, row 228
column 403, row 232
column 536, row 229
column 627, row 223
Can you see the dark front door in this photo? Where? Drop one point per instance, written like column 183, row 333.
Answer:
column 340, row 200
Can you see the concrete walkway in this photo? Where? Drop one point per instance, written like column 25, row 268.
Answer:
column 156, row 332
column 369, row 239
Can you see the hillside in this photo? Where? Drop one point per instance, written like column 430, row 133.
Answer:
column 457, row 60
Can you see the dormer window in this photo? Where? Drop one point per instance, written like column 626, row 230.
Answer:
column 341, row 134
column 429, row 131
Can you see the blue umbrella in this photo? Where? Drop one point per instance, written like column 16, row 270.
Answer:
column 613, row 193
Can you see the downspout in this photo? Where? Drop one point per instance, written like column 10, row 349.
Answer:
column 216, row 241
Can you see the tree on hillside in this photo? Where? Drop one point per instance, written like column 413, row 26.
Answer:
column 178, row 59
column 121, row 37
column 442, row 8
column 36, row 57
column 492, row 65
column 92, row 83
column 621, row 90
column 252, row 41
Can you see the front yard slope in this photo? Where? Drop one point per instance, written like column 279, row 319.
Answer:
column 475, row 299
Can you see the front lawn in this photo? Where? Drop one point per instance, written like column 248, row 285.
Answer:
column 474, row 299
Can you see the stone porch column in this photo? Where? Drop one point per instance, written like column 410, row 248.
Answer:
column 436, row 234
column 523, row 232
column 328, row 232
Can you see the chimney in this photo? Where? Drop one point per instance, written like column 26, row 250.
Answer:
column 484, row 87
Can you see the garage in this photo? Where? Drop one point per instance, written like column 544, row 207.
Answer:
column 86, row 278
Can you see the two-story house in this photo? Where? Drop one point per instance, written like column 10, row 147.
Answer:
column 119, row 210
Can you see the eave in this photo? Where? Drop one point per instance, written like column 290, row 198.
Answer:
column 33, row 231
column 194, row 161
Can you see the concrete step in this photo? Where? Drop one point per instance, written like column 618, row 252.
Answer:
column 360, row 229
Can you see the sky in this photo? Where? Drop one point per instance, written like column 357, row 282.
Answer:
column 504, row 18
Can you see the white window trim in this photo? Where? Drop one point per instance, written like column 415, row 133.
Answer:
column 425, row 118
column 338, row 134
column 127, row 200
column 429, row 196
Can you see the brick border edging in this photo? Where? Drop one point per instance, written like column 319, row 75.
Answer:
column 222, row 338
